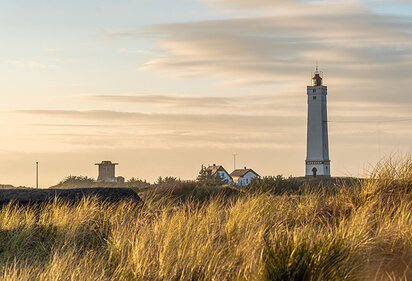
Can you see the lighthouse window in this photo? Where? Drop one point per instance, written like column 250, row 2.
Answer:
column 314, row 97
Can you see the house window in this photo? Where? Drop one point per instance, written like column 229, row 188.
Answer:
column 247, row 181
column 314, row 90
column 314, row 97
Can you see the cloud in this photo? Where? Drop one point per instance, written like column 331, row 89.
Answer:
column 140, row 129
column 213, row 103
column 53, row 51
column 355, row 111
column 173, row 139
column 165, row 100
column 139, row 52
column 251, row 3
column 357, row 49
column 201, row 122
column 113, row 35
column 113, row 129
column 276, row 104
column 30, row 64
column 281, row 44
column 291, row 6
column 394, row 1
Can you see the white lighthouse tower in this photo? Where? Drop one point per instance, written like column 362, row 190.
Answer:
column 317, row 154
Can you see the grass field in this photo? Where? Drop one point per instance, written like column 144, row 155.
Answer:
column 360, row 231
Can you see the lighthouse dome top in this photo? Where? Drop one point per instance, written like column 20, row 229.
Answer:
column 317, row 80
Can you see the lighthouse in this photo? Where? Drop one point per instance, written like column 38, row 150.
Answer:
column 317, row 149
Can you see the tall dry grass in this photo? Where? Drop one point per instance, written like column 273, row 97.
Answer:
column 360, row 232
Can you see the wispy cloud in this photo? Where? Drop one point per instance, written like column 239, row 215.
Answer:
column 234, row 128
column 96, row 128
column 296, row 6
column 164, row 100
column 53, row 51
column 30, row 64
column 260, row 45
column 139, row 52
column 357, row 48
column 204, row 122
column 112, row 35
column 273, row 104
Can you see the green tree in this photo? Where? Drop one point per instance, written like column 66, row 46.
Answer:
column 205, row 177
column 137, row 183
column 275, row 185
column 167, row 180
column 77, row 180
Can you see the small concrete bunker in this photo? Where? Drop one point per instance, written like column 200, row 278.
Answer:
column 107, row 172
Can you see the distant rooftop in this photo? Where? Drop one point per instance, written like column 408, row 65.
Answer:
column 107, row 163
column 242, row 172
column 215, row 168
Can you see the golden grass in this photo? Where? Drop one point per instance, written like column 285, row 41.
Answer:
column 362, row 233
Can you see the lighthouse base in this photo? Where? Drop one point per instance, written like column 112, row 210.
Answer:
column 317, row 168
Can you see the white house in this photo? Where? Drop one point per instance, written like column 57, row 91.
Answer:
column 219, row 170
column 243, row 177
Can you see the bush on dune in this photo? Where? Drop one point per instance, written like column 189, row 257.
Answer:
column 187, row 191
column 86, row 182
column 276, row 185
column 390, row 181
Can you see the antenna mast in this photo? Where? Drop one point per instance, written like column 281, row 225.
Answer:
column 234, row 161
column 37, row 175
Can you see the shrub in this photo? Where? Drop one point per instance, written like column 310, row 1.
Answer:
column 275, row 185
column 137, row 183
column 307, row 260
column 186, row 191
column 77, row 180
column 206, row 178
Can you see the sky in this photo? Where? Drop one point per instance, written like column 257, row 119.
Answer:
column 164, row 86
